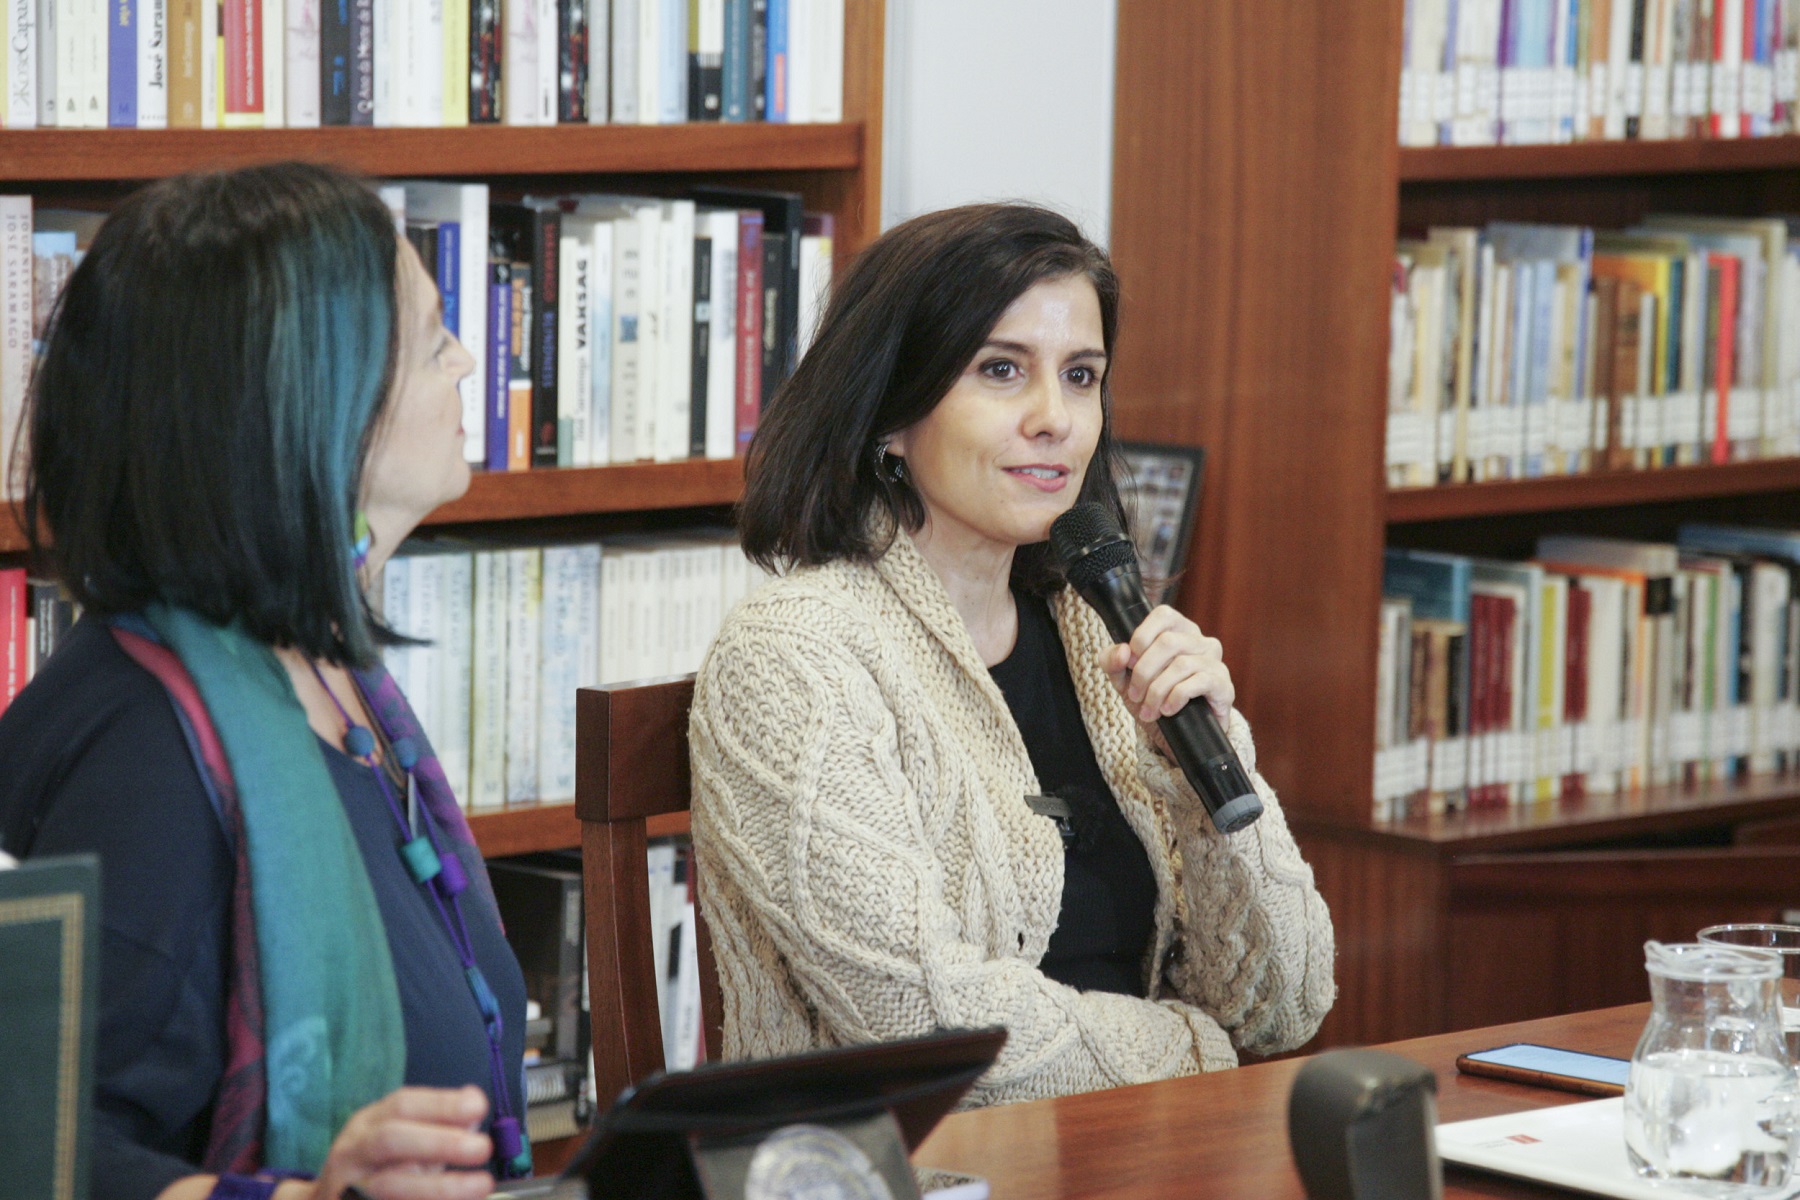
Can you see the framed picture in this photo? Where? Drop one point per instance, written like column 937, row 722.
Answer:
column 1161, row 490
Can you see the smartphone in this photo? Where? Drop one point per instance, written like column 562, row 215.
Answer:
column 1547, row 1066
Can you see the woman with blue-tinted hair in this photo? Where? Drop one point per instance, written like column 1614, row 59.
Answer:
column 247, row 398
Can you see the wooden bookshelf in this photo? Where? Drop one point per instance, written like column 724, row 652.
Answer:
column 1600, row 489
column 1597, row 160
column 94, row 155
column 529, row 828
column 1258, row 194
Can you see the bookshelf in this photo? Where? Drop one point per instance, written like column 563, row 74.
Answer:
column 836, row 167
column 1258, row 194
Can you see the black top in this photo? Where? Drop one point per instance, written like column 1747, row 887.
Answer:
column 92, row 759
column 1109, row 892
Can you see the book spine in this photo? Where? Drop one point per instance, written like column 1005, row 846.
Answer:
column 486, row 91
column 21, row 109
column 455, row 699
column 335, row 37
column 519, row 40
column 15, row 644
column 67, row 26
column 572, row 57
column 303, row 74
column 776, row 85
column 600, row 324
column 734, row 80
column 671, row 67
column 599, row 80
column 274, row 62
column 572, row 446
column 153, row 64
column 121, row 65
column 423, row 88
column 626, row 338
column 487, row 684
column 759, row 60
column 649, row 60
column 546, row 238
column 518, row 403
column 749, row 327
column 47, row 58
column 624, row 74
column 95, row 48
column 242, row 33
column 701, row 365
column 524, row 634
column 561, row 628
column 448, row 272
column 548, row 63
column 362, row 62
column 455, row 66
column 706, row 78
column 15, row 333
column 721, row 385
column 499, row 360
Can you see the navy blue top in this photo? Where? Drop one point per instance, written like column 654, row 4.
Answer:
column 1108, row 915
column 92, row 759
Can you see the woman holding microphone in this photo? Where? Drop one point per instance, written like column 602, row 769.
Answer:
column 873, row 734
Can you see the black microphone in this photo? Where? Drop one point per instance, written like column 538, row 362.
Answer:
column 1102, row 565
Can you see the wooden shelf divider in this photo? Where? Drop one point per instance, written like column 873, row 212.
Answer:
column 562, row 492
column 571, row 491
column 1447, row 164
column 95, row 155
column 1598, row 489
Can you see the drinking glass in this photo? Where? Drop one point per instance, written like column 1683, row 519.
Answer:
column 1784, row 940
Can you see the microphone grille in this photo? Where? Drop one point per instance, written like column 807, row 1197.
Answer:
column 1082, row 528
column 1088, row 542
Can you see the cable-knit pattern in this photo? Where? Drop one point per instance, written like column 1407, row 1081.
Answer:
column 870, row 869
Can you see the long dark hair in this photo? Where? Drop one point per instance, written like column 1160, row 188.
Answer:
column 212, row 378
column 900, row 329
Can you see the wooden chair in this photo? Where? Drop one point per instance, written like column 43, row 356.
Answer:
column 632, row 783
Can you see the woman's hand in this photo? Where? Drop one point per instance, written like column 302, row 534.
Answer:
column 1167, row 663
column 397, row 1148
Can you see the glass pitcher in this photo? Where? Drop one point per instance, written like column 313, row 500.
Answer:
column 1710, row 1097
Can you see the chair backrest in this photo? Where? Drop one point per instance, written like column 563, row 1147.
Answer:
column 631, row 776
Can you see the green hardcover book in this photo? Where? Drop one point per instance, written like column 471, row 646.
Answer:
column 50, row 945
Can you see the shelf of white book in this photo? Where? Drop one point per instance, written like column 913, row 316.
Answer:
column 92, row 155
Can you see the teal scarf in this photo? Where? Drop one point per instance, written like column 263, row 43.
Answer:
column 334, row 1037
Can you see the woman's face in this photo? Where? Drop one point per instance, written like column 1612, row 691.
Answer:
column 416, row 462
column 1004, row 452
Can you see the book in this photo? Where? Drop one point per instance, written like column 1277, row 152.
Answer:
column 50, row 941
column 541, row 911
column 532, row 233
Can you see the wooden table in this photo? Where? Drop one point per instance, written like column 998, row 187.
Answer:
column 1225, row 1135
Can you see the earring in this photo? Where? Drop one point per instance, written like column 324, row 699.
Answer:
column 365, row 540
column 894, row 470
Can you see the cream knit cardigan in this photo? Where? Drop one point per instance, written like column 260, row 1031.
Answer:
column 870, row 871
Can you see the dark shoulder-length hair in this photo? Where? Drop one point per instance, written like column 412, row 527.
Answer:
column 211, row 381
column 901, row 327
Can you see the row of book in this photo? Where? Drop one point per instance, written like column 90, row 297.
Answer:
column 509, row 633
column 1520, row 350
column 1521, row 72
column 604, row 328
column 1600, row 666
column 156, row 64
column 34, row 616
column 541, row 904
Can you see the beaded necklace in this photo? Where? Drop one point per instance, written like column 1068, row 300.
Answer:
column 440, row 873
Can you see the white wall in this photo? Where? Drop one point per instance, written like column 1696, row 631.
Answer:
column 999, row 100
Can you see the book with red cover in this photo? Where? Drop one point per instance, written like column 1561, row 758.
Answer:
column 1721, row 343
column 15, row 643
column 240, row 27
column 749, row 326
column 1575, row 679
